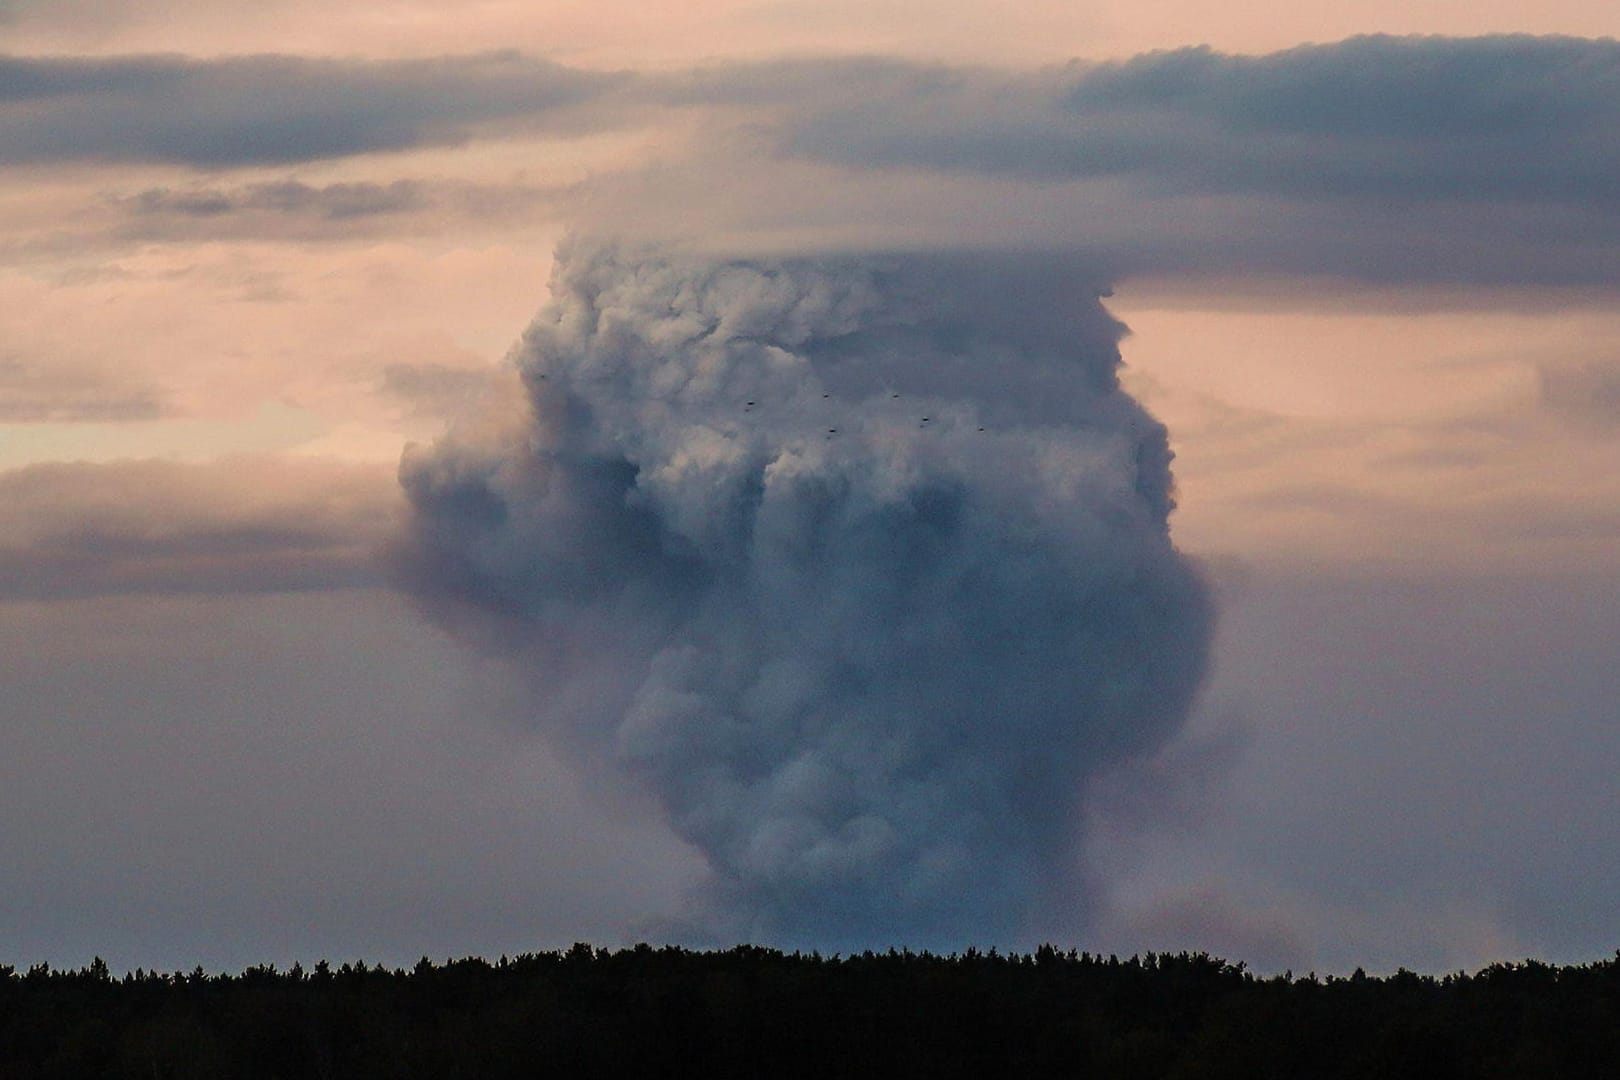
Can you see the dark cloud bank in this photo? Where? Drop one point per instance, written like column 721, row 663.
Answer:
column 273, row 109
column 1509, row 117
column 861, row 565
column 1428, row 160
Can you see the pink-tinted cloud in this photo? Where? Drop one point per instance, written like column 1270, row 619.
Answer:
column 75, row 530
column 619, row 33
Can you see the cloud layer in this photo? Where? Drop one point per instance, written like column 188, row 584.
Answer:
column 1510, row 117
column 270, row 109
column 1513, row 117
column 862, row 565
column 77, row 529
column 1436, row 161
column 1430, row 119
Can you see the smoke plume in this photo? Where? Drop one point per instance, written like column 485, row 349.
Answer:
column 861, row 565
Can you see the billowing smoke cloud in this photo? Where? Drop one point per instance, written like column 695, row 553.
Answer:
column 861, row 565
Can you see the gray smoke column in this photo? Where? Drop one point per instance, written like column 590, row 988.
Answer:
column 861, row 565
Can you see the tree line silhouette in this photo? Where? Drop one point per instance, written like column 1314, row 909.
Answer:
column 757, row 1012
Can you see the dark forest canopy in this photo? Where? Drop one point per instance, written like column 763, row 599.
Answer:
column 751, row 1011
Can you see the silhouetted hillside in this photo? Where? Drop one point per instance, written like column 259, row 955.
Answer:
column 757, row 1012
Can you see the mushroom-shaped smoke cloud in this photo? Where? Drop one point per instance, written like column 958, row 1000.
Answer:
column 861, row 565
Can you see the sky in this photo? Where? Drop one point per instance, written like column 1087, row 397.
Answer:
column 334, row 626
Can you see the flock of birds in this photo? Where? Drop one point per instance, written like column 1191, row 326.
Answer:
column 748, row 406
